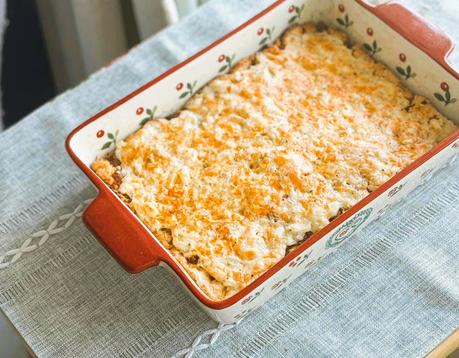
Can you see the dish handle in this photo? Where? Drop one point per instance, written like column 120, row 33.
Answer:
column 415, row 29
column 130, row 243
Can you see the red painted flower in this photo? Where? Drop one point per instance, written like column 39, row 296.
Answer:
column 395, row 190
column 179, row 86
column 291, row 9
column 294, row 262
column 444, row 86
column 279, row 283
column 139, row 111
column 100, row 133
column 260, row 31
column 341, row 8
column 402, row 57
column 246, row 300
column 221, row 58
column 370, row 31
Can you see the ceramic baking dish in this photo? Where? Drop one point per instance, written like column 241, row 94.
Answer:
column 415, row 50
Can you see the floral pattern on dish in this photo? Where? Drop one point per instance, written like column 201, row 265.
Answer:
column 243, row 314
column 406, row 72
column 395, row 190
column 190, row 89
column 445, row 97
column 252, row 297
column 347, row 229
column 298, row 11
column 263, row 43
column 298, row 260
column 344, row 21
column 112, row 137
column 229, row 61
column 150, row 114
column 279, row 284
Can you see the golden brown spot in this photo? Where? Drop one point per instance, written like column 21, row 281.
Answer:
column 193, row 260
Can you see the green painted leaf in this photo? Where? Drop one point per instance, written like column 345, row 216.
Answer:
column 292, row 20
column 346, row 18
column 110, row 135
column 188, row 85
column 453, row 100
column 368, row 47
column 154, row 110
column 223, row 68
column 149, row 111
column 183, row 95
column 439, row 97
column 447, row 96
column 263, row 41
column 106, row 145
column 401, row 71
column 408, row 70
column 413, row 75
column 340, row 21
column 145, row 120
column 268, row 31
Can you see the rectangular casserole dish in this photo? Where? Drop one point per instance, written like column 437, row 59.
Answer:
column 389, row 32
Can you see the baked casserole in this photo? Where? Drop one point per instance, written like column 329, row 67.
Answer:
column 269, row 153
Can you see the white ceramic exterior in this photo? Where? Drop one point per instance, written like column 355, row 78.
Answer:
column 417, row 69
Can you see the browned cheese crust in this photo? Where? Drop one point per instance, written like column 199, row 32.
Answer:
column 269, row 153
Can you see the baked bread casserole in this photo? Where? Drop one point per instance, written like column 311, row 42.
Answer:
column 269, row 153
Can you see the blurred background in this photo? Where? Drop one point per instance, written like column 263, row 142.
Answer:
column 51, row 45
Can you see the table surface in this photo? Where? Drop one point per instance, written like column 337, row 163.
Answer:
column 41, row 284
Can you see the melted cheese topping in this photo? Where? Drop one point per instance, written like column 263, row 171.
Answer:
column 270, row 152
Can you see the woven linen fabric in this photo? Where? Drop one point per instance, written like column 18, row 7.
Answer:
column 392, row 291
